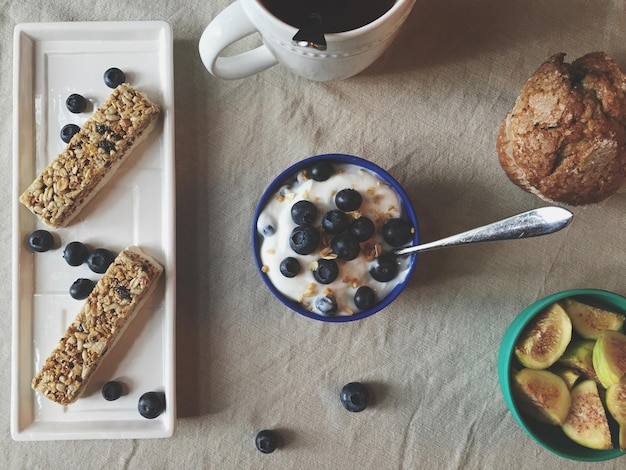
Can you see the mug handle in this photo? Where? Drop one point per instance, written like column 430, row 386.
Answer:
column 228, row 27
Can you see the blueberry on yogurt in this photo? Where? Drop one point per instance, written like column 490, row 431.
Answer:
column 266, row 225
column 335, row 221
column 303, row 212
column 348, row 200
column 326, row 271
column 304, row 239
column 364, row 298
column 326, row 306
column 363, row 228
column 397, row 231
column 385, row 268
column 289, row 267
column 321, row 171
column 346, row 246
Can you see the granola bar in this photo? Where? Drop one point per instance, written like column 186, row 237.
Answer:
column 106, row 313
column 91, row 157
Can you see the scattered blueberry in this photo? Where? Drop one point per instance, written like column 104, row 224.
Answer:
column 304, row 239
column 99, row 260
column 81, row 288
column 76, row 103
column 75, row 253
column 385, row 268
column 364, row 298
column 40, row 240
column 346, row 246
column 397, row 232
column 348, row 199
column 326, row 306
column 335, row 221
column 326, row 271
column 114, row 77
column 290, row 267
column 68, row 131
column 112, row 390
column 266, row 441
column 363, row 228
column 321, row 171
column 151, row 404
column 303, row 212
column 354, row 397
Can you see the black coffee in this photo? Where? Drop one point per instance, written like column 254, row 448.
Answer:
column 337, row 15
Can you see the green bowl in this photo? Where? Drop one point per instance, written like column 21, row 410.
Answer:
column 551, row 437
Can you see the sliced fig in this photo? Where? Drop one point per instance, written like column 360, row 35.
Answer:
column 579, row 355
column 542, row 395
column 545, row 338
column 616, row 404
column 587, row 424
column 609, row 357
column 589, row 321
column 569, row 375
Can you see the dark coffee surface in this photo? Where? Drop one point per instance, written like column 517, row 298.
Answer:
column 337, row 15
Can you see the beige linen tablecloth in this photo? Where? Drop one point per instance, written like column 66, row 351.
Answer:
column 428, row 112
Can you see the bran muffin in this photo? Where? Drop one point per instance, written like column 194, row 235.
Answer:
column 565, row 137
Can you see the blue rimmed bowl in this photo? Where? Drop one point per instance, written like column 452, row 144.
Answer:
column 286, row 178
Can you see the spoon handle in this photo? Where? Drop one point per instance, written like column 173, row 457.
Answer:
column 528, row 224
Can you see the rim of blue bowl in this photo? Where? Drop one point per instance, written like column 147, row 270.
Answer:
column 288, row 174
column 573, row 451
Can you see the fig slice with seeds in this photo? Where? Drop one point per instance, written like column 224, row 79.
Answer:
column 609, row 357
column 542, row 395
column 616, row 404
column 587, row 423
column 545, row 339
column 569, row 374
column 589, row 321
column 579, row 355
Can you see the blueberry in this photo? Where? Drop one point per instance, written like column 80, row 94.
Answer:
column 326, row 306
column 348, row 199
column 346, row 246
column 112, row 390
column 99, row 260
column 289, row 267
column 151, row 404
column 40, row 240
column 335, row 221
column 321, row 171
column 354, row 397
column 385, row 268
column 266, row 225
column 266, row 441
column 68, row 131
column 364, row 298
column 304, row 239
column 362, row 228
column 81, row 288
column 114, row 77
column 76, row 103
column 326, row 271
column 303, row 212
column 75, row 253
column 397, row 232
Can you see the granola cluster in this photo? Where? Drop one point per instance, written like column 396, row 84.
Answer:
column 94, row 152
column 106, row 312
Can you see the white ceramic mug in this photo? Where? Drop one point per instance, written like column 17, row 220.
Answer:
column 347, row 53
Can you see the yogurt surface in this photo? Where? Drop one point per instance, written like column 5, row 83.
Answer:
column 380, row 202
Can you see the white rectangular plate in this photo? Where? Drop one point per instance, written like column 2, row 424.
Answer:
column 137, row 207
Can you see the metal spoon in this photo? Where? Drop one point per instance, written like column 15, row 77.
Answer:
column 528, row 224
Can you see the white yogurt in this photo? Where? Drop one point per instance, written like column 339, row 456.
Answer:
column 380, row 203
